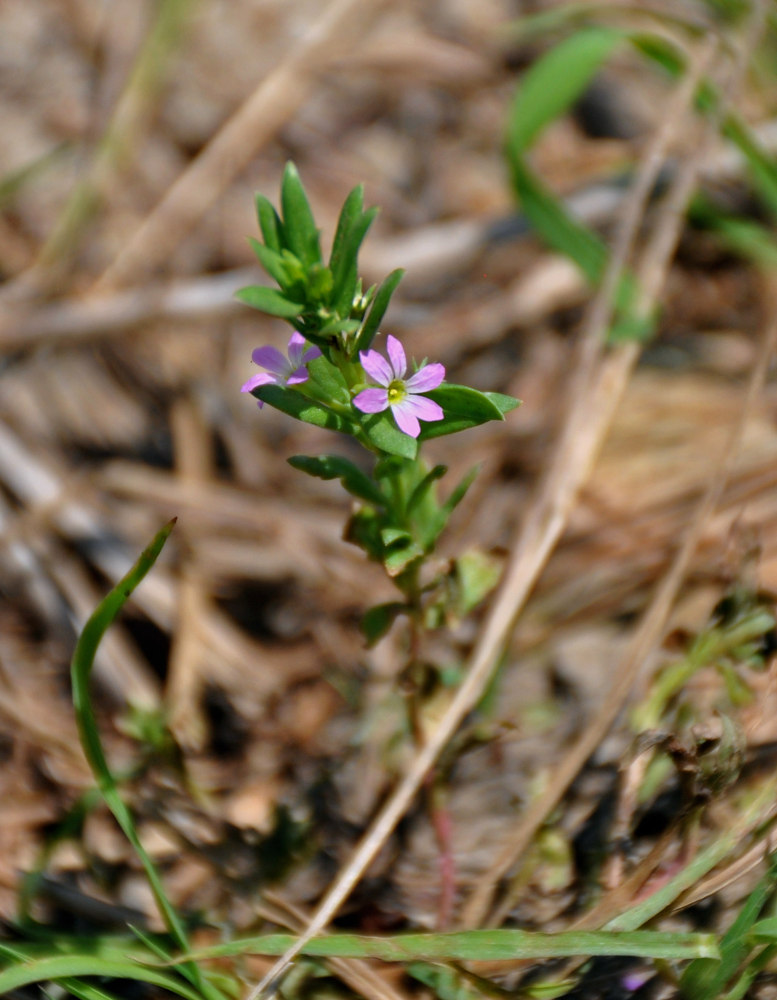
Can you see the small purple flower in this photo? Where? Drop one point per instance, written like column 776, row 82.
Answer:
column 402, row 395
column 280, row 369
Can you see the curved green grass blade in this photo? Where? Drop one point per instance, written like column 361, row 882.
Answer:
column 63, row 967
column 488, row 945
column 555, row 82
column 81, row 670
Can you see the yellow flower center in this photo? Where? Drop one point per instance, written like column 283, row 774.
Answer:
column 396, row 392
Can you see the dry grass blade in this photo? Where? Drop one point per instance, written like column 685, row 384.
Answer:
column 359, row 974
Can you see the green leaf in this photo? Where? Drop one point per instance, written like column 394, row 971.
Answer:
column 465, row 407
column 338, row 325
column 80, row 671
column 335, row 467
column 705, row 979
column 421, row 491
column 347, row 280
column 749, row 239
column 353, row 206
column 759, row 161
column 555, row 82
column 300, row 407
column 352, row 227
column 477, row 573
column 377, row 311
column 505, row 403
column 395, row 536
column 486, row 945
column 378, row 620
column 270, row 225
column 551, row 220
column 271, row 261
column 445, row 982
column 298, row 222
column 270, row 301
column 400, row 550
column 385, row 435
column 363, row 529
column 60, row 967
column 329, row 380
column 457, row 495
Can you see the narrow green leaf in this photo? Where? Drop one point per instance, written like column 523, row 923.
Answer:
column 555, row 82
column 759, row 161
column 335, row 467
column 80, row 672
column 486, row 945
column 347, row 274
column 329, row 380
column 445, row 982
column 338, row 325
column 300, row 407
column 298, row 222
column 705, row 979
column 397, row 559
column 377, row 311
column 505, row 403
column 422, row 489
column 551, row 220
column 270, row 301
column 378, row 620
column 477, row 573
column 363, row 529
column 395, row 536
column 62, row 967
column 465, row 407
column 271, row 261
column 353, row 206
column 458, row 494
column 270, row 224
column 352, row 227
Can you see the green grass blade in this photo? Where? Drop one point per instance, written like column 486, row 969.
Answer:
column 61, row 968
column 488, row 945
column 550, row 218
column 555, row 82
column 705, row 979
column 81, row 671
column 748, row 817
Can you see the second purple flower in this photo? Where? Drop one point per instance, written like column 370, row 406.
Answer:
column 281, row 370
column 402, row 395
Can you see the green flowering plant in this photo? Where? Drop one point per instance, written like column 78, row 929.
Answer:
column 333, row 377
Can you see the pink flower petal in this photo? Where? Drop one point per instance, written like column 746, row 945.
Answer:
column 263, row 378
column 406, row 420
column 376, row 366
column 311, row 355
column 371, row 400
column 426, row 378
column 296, row 344
column 421, row 407
column 298, row 376
column 271, row 359
column 396, row 353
